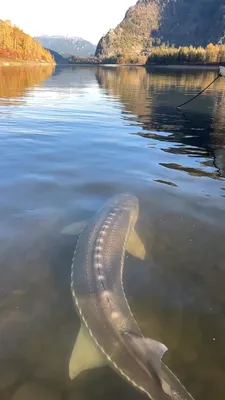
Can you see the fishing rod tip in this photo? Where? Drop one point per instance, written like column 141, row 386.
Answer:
column 221, row 71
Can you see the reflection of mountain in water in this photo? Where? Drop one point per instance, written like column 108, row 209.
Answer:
column 153, row 96
column 73, row 76
column 15, row 81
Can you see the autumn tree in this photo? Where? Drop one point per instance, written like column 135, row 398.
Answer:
column 14, row 43
column 212, row 52
column 170, row 55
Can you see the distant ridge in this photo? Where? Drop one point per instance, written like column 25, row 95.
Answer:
column 66, row 46
column 57, row 57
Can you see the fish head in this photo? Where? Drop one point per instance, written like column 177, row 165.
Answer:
column 129, row 206
column 126, row 203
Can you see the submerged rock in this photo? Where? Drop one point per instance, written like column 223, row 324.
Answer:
column 11, row 372
column 36, row 391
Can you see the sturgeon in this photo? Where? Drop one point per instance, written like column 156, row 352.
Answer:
column 109, row 333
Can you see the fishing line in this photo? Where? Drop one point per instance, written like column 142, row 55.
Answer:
column 193, row 98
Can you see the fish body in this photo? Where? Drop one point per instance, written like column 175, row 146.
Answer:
column 109, row 332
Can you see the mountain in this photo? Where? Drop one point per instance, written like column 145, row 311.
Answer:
column 67, row 46
column 57, row 57
column 18, row 46
column 173, row 22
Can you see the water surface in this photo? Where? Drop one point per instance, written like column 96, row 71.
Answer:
column 69, row 140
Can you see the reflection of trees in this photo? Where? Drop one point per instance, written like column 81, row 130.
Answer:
column 141, row 92
column 119, row 81
column 153, row 95
column 218, row 138
column 129, row 85
column 190, row 79
column 190, row 171
column 15, row 81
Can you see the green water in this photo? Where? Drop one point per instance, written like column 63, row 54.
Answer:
column 69, row 140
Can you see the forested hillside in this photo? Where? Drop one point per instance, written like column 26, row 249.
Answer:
column 176, row 23
column 17, row 45
column 212, row 54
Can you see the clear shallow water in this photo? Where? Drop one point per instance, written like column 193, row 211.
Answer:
column 70, row 141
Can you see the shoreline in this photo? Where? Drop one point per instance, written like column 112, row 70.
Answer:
column 103, row 65
column 185, row 66
column 16, row 63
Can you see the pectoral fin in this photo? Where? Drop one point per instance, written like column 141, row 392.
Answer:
column 74, row 229
column 135, row 246
column 85, row 354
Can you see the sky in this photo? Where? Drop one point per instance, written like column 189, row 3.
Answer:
column 89, row 19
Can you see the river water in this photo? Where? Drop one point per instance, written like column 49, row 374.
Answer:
column 71, row 138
